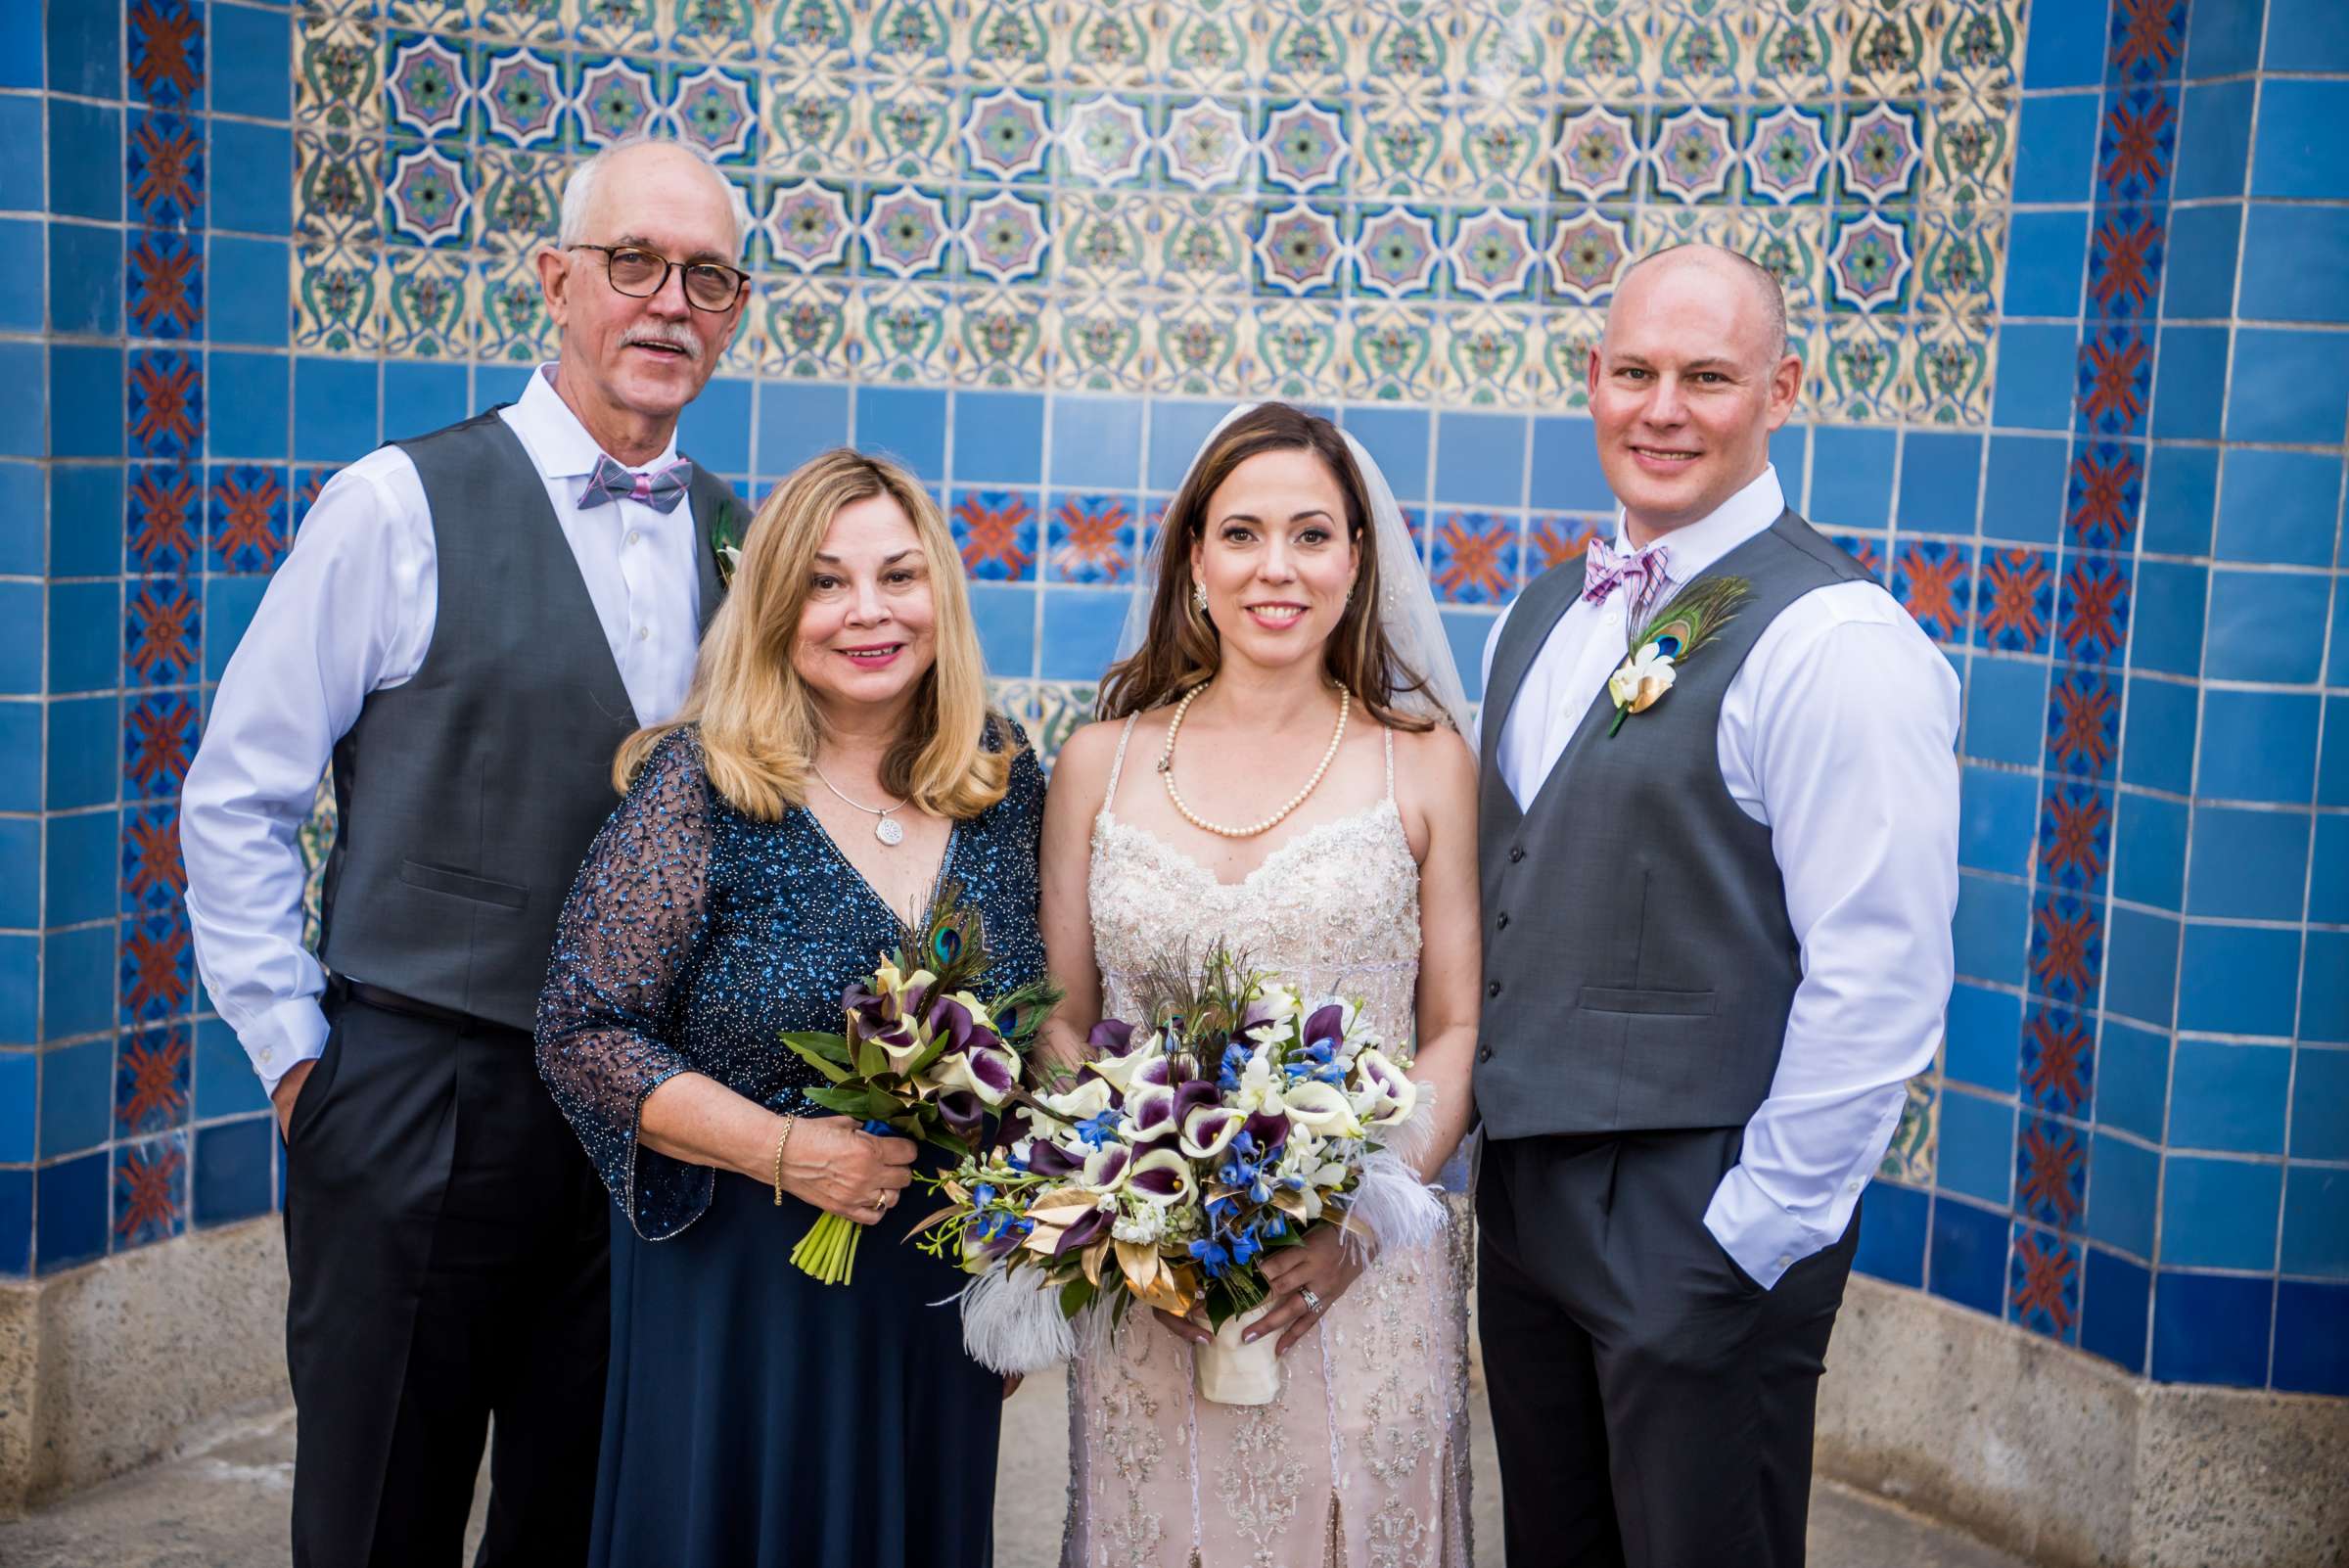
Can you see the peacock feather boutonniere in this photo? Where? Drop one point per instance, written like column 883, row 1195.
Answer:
column 1666, row 641
column 726, row 541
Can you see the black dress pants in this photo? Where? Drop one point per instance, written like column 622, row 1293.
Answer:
column 448, row 1248
column 1652, row 1404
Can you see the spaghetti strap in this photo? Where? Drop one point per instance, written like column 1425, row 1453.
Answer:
column 1390, row 734
column 1118, row 764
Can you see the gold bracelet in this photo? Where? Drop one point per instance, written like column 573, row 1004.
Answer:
column 788, row 1122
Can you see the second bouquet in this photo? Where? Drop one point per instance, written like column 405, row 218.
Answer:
column 1235, row 1116
column 922, row 1056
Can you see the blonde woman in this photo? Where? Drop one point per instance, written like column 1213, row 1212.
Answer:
column 834, row 762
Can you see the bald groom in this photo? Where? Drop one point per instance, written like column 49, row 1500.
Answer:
column 1717, row 942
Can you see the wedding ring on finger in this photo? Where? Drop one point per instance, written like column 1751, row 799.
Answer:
column 1313, row 1302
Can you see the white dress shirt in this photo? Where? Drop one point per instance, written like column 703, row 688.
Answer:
column 1838, row 733
column 350, row 612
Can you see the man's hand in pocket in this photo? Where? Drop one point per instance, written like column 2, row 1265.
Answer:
column 287, row 1090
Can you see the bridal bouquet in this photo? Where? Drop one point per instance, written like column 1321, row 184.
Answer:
column 1176, row 1157
column 921, row 1056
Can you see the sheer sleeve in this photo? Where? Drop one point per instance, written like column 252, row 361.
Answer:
column 609, row 1018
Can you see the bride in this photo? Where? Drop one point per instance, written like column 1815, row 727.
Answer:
column 1280, row 766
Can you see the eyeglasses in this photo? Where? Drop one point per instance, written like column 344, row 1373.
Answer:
column 640, row 274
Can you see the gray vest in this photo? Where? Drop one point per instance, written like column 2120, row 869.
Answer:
column 1638, row 962
column 467, row 797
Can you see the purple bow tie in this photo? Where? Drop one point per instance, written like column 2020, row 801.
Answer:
column 1640, row 571
column 661, row 490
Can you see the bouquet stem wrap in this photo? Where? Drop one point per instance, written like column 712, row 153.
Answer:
column 1232, row 1371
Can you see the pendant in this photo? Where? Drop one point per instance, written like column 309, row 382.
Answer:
column 887, row 831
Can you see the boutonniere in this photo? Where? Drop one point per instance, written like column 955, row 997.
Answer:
column 1666, row 641
column 726, row 541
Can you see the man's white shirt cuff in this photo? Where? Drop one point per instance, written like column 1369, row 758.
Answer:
column 282, row 1039
column 1764, row 1239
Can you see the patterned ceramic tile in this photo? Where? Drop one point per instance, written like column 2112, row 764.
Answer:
column 151, row 1089
column 158, row 741
column 1909, row 1157
column 164, row 404
column 996, row 532
column 2043, row 1283
column 165, row 60
column 153, row 874
column 164, row 171
column 165, row 519
column 2059, row 1060
column 162, row 292
column 162, row 631
column 150, row 1190
column 157, row 965
column 1263, row 156
column 248, row 519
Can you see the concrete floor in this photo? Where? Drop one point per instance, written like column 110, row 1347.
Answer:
column 223, row 1504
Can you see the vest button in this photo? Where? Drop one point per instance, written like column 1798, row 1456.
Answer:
column 1502, row 924
column 1516, row 854
column 1493, row 988
column 1484, row 1053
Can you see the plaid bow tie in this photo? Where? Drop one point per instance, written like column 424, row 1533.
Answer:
column 1639, row 572
column 661, row 490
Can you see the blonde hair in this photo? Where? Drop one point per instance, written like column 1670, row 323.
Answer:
column 761, row 725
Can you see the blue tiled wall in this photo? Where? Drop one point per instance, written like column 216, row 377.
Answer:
column 2067, row 281
column 2143, row 1057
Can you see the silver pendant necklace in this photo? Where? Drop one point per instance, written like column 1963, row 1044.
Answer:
column 886, row 829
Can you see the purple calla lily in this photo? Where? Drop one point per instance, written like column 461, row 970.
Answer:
column 1162, row 1175
column 1269, row 1128
column 1106, row 1167
column 1151, row 1110
column 1049, row 1159
column 1208, row 1129
column 1112, row 1036
column 1326, row 1025
column 1081, row 1232
column 961, row 1111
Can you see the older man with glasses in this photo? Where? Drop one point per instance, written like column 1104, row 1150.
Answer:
column 467, row 625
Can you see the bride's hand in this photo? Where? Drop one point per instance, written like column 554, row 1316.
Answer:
column 1322, row 1265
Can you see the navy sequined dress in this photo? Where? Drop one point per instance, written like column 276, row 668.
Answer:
column 753, row 1416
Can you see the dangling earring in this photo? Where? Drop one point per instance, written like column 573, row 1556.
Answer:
column 1199, row 595
column 1348, row 604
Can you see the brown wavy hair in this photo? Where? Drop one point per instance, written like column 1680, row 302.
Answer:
column 1182, row 649
column 760, row 726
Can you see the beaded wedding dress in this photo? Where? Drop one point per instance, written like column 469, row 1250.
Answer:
column 1363, row 1460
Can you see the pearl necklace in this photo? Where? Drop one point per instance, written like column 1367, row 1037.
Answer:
column 1165, row 769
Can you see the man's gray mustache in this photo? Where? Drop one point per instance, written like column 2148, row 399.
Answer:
column 684, row 341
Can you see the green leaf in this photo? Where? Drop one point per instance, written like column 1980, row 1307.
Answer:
column 847, row 1101
column 1075, row 1296
column 821, row 1052
column 832, row 1047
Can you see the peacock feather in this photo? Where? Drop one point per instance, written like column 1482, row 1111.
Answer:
column 1694, row 615
column 951, row 942
column 1667, row 638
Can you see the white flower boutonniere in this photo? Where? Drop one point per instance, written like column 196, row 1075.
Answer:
column 1670, row 636
column 1642, row 679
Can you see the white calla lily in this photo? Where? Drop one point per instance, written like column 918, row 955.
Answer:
column 1086, row 1100
column 1323, row 1109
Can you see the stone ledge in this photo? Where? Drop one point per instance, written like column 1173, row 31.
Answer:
column 116, row 1364
column 2070, row 1462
